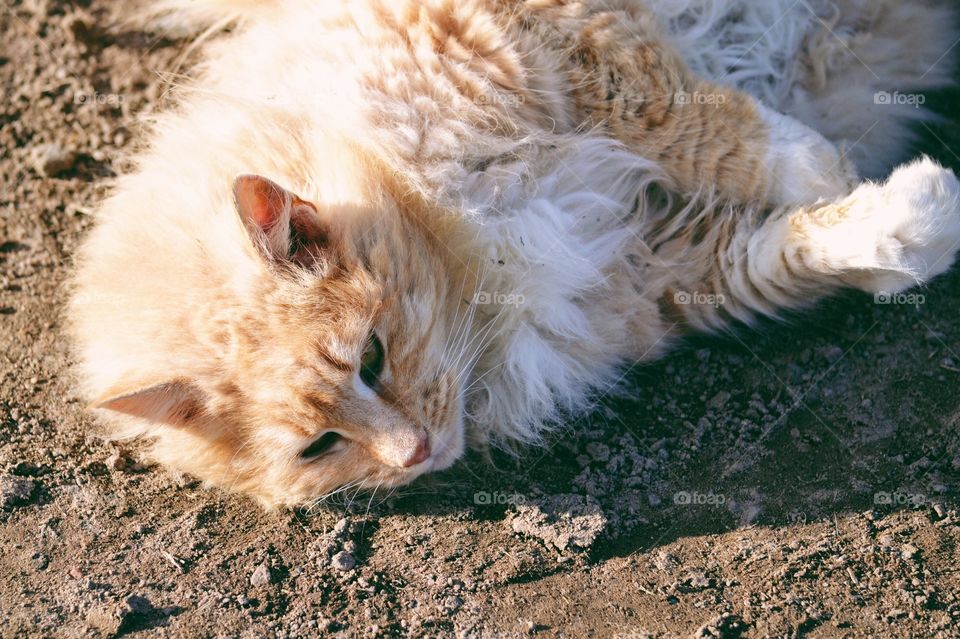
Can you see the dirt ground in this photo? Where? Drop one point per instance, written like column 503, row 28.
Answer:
column 783, row 481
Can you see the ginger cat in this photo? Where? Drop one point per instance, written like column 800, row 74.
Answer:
column 376, row 231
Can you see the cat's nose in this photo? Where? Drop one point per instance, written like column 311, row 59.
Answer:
column 420, row 454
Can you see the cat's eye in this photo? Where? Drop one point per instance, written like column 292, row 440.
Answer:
column 322, row 445
column 372, row 361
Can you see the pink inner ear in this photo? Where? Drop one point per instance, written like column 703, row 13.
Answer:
column 259, row 200
column 294, row 229
column 260, row 212
column 176, row 403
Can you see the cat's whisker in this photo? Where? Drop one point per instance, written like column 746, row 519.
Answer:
column 468, row 314
column 370, row 501
column 356, row 493
column 467, row 365
column 489, row 333
column 462, row 321
column 465, row 276
column 457, row 356
column 390, row 493
column 474, row 383
column 318, row 501
column 468, row 340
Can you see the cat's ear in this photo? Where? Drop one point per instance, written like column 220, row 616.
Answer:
column 176, row 403
column 286, row 226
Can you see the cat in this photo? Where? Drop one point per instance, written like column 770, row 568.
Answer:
column 373, row 233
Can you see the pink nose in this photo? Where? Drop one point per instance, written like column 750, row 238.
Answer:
column 421, row 454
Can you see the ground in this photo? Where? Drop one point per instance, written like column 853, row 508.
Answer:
column 787, row 480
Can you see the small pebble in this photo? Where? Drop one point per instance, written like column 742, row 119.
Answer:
column 909, row 551
column 137, row 605
column 343, row 561
column 260, row 575
column 832, row 354
column 40, row 561
column 15, row 491
column 719, row 400
column 453, row 603
column 599, row 452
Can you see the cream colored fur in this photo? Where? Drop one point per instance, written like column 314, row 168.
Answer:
column 524, row 259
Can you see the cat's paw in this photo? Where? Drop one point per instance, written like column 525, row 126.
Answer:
column 802, row 166
column 921, row 225
column 885, row 238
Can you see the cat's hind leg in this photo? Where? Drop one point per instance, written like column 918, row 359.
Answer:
column 862, row 73
column 882, row 238
column 629, row 82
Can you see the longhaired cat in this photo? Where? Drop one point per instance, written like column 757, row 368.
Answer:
column 374, row 232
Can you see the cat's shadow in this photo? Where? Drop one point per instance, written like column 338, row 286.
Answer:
column 850, row 407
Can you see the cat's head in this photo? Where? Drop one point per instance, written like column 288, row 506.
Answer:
column 330, row 368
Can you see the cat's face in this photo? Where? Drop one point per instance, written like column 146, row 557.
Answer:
column 333, row 372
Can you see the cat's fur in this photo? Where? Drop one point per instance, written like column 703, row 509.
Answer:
column 520, row 197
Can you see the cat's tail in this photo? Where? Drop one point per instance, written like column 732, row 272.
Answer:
column 180, row 18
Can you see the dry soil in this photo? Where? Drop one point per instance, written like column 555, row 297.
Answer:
column 790, row 480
